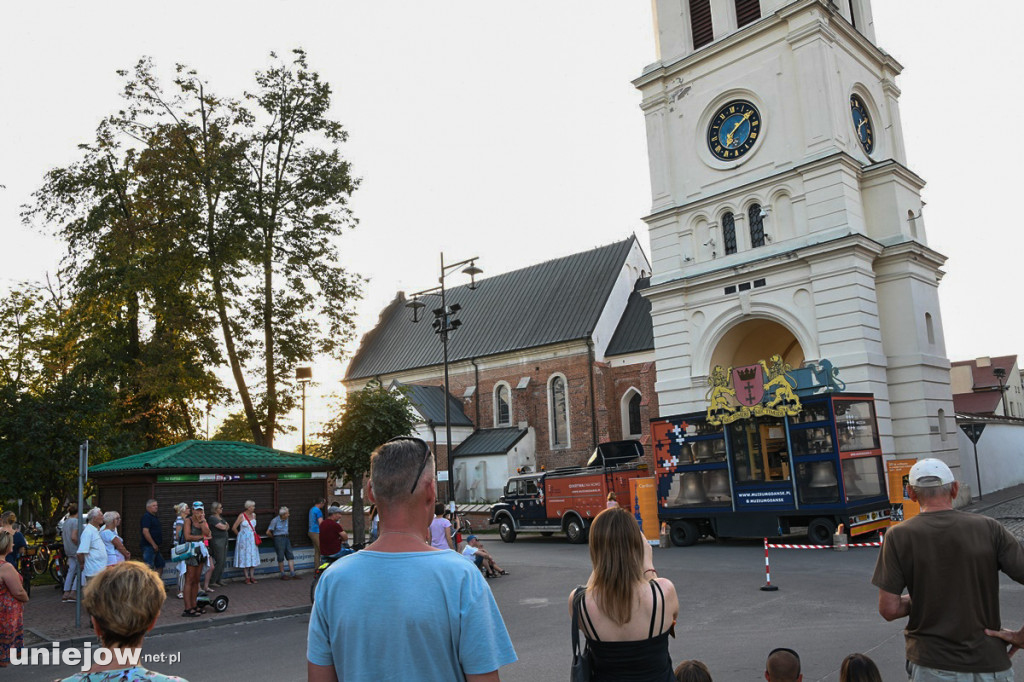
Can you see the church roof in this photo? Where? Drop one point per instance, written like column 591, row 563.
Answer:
column 429, row 402
column 635, row 332
column 551, row 302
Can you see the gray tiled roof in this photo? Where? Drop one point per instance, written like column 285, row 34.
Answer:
column 490, row 441
column 560, row 300
column 635, row 332
column 429, row 402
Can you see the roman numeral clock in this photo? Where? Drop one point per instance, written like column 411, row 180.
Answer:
column 734, row 130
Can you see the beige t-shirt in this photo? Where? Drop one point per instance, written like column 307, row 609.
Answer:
column 949, row 562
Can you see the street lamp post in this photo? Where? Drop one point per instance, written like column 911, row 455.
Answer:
column 443, row 324
column 1000, row 375
column 303, row 375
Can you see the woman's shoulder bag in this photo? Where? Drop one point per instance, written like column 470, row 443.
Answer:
column 581, row 669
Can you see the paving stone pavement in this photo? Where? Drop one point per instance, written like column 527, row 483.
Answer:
column 49, row 619
column 1009, row 512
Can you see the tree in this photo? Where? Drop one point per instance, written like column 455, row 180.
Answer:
column 192, row 213
column 368, row 418
column 235, row 427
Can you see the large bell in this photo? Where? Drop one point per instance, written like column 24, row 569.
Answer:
column 693, row 488
column 705, row 450
column 718, row 486
column 823, row 475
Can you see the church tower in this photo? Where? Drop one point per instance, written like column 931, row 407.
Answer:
column 784, row 218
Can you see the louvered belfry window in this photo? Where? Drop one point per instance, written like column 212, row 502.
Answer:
column 729, row 233
column 747, row 12
column 700, row 23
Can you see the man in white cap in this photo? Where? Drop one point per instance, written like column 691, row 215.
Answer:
column 949, row 563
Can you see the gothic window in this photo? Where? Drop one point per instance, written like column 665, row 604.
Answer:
column 700, row 23
column 558, row 412
column 634, row 423
column 729, row 233
column 747, row 12
column 502, row 405
column 756, row 226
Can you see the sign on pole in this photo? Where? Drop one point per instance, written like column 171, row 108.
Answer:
column 973, row 431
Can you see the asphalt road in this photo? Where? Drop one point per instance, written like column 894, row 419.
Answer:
column 825, row 608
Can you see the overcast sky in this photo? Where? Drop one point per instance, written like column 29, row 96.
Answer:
column 510, row 130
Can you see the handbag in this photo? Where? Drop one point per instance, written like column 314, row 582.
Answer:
column 183, row 552
column 581, row 665
column 258, row 539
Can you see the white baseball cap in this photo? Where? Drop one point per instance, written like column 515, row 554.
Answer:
column 930, row 473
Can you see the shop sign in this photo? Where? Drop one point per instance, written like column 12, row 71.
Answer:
column 761, row 390
column 177, row 478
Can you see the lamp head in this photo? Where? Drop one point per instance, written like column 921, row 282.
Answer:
column 415, row 305
column 472, row 270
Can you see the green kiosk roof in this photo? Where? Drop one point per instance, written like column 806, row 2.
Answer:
column 211, row 455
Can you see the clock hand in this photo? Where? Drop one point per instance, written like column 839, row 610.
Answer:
column 728, row 138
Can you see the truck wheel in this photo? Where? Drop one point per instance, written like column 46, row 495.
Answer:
column 684, row 533
column 820, row 531
column 506, row 530
column 576, row 531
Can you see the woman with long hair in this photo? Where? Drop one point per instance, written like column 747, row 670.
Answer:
column 12, row 600
column 859, row 668
column 626, row 612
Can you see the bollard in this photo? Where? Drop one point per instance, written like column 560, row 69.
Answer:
column 840, row 542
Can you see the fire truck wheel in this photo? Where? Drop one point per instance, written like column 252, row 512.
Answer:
column 685, row 533
column 506, row 530
column 576, row 531
column 820, row 530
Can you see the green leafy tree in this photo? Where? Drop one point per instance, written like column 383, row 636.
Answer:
column 235, row 427
column 368, row 418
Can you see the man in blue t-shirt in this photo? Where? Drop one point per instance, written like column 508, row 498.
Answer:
column 432, row 615
column 152, row 537
column 316, row 515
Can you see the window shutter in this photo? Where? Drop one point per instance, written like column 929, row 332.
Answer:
column 700, row 23
column 747, row 12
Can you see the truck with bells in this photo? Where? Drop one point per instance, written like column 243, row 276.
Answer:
column 567, row 499
column 779, row 449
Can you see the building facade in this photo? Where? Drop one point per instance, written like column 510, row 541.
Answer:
column 785, row 220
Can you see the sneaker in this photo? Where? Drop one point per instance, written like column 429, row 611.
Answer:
column 181, row 595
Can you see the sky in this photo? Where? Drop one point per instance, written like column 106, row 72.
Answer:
column 509, row 131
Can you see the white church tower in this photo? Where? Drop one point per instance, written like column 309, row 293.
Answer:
column 785, row 219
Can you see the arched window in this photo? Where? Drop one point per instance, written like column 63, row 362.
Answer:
column 502, row 405
column 729, row 233
column 558, row 412
column 756, row 225
column 632, row 423
column 942, row 424
column 929, row 327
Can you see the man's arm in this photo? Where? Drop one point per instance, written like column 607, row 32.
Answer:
column 1015, row 638
column 322, row 673
column 892, row 606
column 149, row 538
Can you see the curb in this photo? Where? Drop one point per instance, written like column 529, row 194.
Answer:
column 190, row 624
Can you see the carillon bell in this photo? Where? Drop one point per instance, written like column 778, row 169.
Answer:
column 693, row 488
column 705, row 450
column 823, row 475
column 718, row 484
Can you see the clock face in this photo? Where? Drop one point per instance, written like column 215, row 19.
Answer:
column 734, row 130
column 862, row 123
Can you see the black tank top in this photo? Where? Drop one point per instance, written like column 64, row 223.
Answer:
column 645, row 660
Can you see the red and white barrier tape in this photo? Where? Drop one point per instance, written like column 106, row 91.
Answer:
column 768, row 587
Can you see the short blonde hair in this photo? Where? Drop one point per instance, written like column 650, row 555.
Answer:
column 5, row 543
column 124, row 601
column 180, row 508
column 249, row 504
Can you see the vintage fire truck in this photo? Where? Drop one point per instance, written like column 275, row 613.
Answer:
column 566, row 500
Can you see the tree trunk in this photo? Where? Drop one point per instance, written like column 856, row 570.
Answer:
column 268, row 334
column 236, row 366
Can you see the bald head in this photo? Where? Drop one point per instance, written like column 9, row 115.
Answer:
column 783, row 665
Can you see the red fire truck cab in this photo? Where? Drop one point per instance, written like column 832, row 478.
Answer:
column 566, row 500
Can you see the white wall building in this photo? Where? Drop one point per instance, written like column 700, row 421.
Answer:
column 784, row 217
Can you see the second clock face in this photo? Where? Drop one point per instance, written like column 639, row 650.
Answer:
column 862, row 123
column 734, row 130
